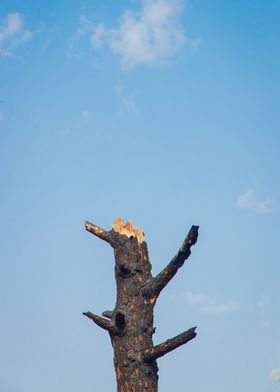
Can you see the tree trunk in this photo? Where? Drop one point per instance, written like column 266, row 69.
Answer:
column 130, row 324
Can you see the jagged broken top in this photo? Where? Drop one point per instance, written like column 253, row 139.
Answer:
column 128, row 229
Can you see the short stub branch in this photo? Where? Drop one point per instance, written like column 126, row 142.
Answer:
column 169, row 345
column 99, row 232
column 158, row 283
column 101, row 322
column 108, row 314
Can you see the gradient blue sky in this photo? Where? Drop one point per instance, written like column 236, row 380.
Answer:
column 167, row 115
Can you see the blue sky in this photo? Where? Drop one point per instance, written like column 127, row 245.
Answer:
column 164, row 112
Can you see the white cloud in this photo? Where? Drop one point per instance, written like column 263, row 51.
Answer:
column 275, row 375
column 210, row 306
column 148, row 36
column 248, row 200
column 13, row 33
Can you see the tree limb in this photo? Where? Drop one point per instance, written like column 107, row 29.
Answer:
column 169, row 345
column 101, row 322
column 99, row 232
column 155, row 286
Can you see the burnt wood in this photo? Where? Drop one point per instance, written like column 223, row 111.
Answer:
column 131, row 323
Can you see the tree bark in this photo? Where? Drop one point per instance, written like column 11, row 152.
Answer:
column 131, row 323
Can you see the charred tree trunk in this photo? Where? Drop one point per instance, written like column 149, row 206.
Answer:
column 130, row 324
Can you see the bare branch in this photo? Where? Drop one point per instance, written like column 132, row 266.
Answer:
column 99, row 232
column 169, row 345
column 155, row 286
column 101, row 322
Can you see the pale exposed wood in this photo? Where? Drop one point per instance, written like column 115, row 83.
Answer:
column 128, row 229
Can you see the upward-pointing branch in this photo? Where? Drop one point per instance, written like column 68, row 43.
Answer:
column 169, row 345
column 155, row 286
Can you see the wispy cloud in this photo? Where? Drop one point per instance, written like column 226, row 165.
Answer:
column 209, row 305
column 84, row 31
column 264, row 301
column 195, row 298
column 227, row 307
column 148, row 36
column 86, row 116
column 275, row 375
column 267, row 308
column 265, row 323
column 249, row 201
column 126, row 100
column 13, row 33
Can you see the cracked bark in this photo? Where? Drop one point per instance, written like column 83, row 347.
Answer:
column 131, row 323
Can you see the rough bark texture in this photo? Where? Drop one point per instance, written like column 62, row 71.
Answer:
column 130, row 323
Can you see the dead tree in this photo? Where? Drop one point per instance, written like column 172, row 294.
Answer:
column 130, row 323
